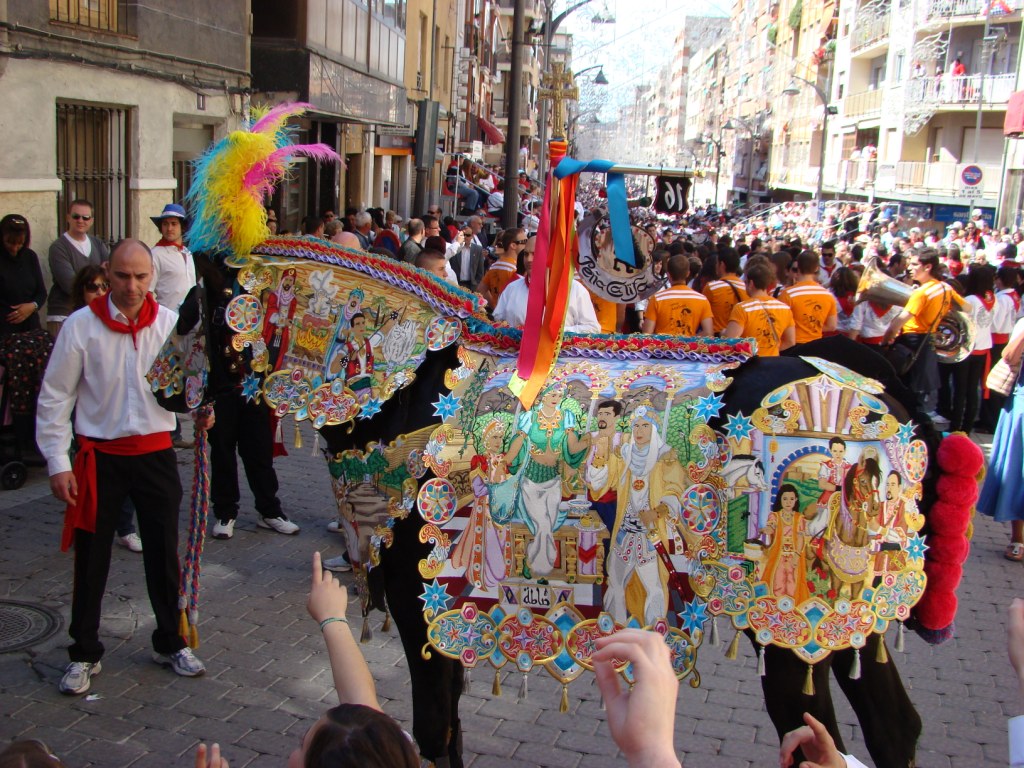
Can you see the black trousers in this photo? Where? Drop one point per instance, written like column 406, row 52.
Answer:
column 243, row 427
column 887, row 717
column 967, row 375
column 990, row 408
column 152, row 483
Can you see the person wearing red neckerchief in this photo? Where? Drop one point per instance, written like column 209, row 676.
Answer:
column 174, row 272
column 970, row 373
column 98, row 371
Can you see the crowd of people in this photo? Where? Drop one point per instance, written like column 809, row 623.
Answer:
column 781, row 278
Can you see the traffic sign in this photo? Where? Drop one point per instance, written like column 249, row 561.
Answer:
column 971, row 175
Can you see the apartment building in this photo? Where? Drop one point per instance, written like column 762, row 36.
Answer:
column 922, row 92
column 705, row 121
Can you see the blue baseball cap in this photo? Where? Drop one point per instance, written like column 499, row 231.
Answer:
column 171, row 211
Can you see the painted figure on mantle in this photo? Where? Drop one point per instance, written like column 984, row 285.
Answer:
column 785, row 561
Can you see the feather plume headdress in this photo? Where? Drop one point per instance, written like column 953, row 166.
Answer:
column 236, row 174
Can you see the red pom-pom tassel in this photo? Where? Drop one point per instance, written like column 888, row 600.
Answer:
column 959, row 455
column 948, row 519
column 961, row 491
column 951, row 550
column 937, row 610
column 943, row 577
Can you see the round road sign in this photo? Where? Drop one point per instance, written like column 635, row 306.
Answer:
column 971, row 175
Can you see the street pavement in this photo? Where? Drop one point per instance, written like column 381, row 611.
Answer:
column 268, row 677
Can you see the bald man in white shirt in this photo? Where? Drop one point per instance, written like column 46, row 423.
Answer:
column 98, row 373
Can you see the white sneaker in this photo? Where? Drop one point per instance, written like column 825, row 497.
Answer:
column 334, row 526
column 131, row 542
column 224, row 529
column 183, row 662
column 77, row 677
column 281, row 524
column 340, row 564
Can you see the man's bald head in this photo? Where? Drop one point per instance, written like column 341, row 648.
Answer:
column 130, row 271
column 129, row 243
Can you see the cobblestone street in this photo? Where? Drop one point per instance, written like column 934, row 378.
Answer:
column 268, row 678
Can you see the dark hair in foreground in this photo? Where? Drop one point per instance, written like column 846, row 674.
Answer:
column 354, row 736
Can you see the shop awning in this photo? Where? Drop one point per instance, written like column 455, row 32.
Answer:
column 492, row 133
column 1013, row 123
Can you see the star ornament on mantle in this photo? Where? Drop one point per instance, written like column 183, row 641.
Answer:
column 447, row 406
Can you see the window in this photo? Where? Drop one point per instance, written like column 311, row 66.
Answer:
column 93, row 163
column 100, row 15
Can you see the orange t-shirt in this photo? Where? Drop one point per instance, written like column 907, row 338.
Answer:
column 812, row 305
column 497, row 278
column 723, row 298
column 607, row 312
column 764, row 319
column 928, row 304
column 677, row 311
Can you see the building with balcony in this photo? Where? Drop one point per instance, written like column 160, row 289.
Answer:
column 922, row 91
column 485, row 36
column 108, row 100
column 533, row 66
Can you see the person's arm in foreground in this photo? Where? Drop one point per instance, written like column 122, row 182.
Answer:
column 328, row 599
column 640, row 720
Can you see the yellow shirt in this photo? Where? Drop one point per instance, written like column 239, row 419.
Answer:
column 607, row 312
column 928, row 304
column 723, row 298
column 764, row 319
column 497, row 278
column 677, row 311
column 812, row 305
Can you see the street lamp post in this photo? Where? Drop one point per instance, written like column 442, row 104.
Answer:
column 549, row 28
column 793, row 90
column 510, row 210
column 707, row 138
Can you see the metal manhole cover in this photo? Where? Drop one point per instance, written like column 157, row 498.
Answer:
column 25, row 624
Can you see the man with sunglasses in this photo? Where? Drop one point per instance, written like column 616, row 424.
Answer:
column 69, row 254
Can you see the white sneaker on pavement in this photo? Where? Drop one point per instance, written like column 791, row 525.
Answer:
column 77, row 677
column 183, row 662
column 131, row 542
column 224, row 529
column 280, row 524
column 340, row 564
column 334, row 526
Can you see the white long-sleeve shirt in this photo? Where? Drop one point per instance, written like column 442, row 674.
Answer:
column 100, row 375
column 174, row 274
column 579, row 317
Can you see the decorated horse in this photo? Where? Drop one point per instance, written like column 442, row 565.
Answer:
column 513, row 495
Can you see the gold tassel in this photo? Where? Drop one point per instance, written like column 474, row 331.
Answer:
column 496, row 685
column 183, row 623
column 734, row 647
column 882, row 657
column 855, row 667
column 760, row 661
column 899, row 639
column 563, row 706
column 387, row 622
column 316, row 442
column 298, row 437
column 278, row 433
column 193, row 637
column 809, row 681
column 715, row 640
column 367, row 634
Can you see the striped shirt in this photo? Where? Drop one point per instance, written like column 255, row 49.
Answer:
column 497, row 278
column 724, row 294
column 765, row 320
column 678, row 311
column 812, row 306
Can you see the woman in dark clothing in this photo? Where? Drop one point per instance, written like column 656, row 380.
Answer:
column 22, row 291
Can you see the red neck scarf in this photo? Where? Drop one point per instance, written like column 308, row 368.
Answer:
column 147, row 316
column 169, row 244
column 988, row 300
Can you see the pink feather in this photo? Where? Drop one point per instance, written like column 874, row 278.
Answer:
column 262, row 176
column 278, row 115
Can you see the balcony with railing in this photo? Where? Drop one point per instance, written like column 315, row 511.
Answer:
column 945, row 9
column 963, row 91
column 863, row 103
column 939, row 179
column 868, row 31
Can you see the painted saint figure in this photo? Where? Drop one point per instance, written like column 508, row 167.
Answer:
column 547, row 439
column 830, row 479
column 480, row 549
column 785, row 562
column 890, row 533
column 645, row 475
column 281, row 306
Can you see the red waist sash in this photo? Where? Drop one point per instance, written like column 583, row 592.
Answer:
column 82, row 515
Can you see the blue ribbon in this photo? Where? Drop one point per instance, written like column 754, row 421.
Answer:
column 618, row 207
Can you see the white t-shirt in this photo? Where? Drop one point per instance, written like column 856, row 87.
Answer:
column 579, row 317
